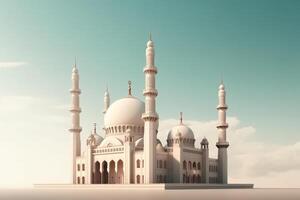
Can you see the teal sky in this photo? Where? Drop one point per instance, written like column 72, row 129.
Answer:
column 254, row 45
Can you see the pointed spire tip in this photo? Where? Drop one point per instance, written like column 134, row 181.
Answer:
column 129, row 88
column 180, row 117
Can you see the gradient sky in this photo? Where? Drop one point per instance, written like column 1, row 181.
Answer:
column 254, row 45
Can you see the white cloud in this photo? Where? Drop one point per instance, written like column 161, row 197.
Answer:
column 11, row 64
column 33, row 141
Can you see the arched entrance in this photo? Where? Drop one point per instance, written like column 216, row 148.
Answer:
column 97, row 174
column 112, row 172
column 104, row 173
column 194, row 179
column 120, row 173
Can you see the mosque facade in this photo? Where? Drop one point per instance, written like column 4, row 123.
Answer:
column 130, row 152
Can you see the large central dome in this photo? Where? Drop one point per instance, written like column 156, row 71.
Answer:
column 125, row 111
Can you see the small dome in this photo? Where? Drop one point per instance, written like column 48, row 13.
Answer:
column 98, row 139
column 139, row 143
column 125, row 111
column 222, row 87
column 150, row 43
column 159, row 147
column 111, row 141
column 94, row 139
column 182, row 131
column 204, row 141
column 75, row 70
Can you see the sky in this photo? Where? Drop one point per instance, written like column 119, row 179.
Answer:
column 252, row 45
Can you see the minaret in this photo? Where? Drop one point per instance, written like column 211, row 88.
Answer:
column 75, row 111
column 150, row 116
column 205, row 161
column 106, row 100
column 222, row 144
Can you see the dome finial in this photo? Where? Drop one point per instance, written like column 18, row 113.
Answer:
column 129, row 88
column 222, row 78
column 180, row 117
column 75, row 63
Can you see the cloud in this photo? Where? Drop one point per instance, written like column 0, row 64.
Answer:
column 250, row 160
column 34, row 139
column 11, row 64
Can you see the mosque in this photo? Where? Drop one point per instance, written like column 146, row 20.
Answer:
column 130, row 152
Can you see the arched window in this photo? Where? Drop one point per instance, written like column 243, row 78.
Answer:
column 83, row 167
column 199, row 166
column 183, row 178
column 165, row 164
column 190, row 165
column 138, row 163
column 78, row 167
column 138, row 179
column 78, row 180
column 184, row 165
column 160, row 164
column 194, row 165
column 83, row 180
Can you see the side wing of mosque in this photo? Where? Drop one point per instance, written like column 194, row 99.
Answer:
column 130, row 152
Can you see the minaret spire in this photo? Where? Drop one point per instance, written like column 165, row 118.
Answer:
column 75, row 115
column 180, row 117
column 150, row 116
column 106, row 100
column 95, row 128
column 222, row 143
column 129, row 88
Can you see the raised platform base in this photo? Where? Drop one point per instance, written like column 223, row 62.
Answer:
column 163, row 186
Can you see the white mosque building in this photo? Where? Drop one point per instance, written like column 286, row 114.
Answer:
column 130, row 152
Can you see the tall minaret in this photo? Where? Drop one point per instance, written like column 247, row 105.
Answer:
column 75, row 111
column 150, row 116
column 106, row 100
column 222, row 144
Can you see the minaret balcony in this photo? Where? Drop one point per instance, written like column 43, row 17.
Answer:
column 150, row 69
column 150, row 116
column 75, row 130
column 74, row 109
column 223, row 125
column 76, row 91
column 150, row 91
column 222, row 107
column 222, row 144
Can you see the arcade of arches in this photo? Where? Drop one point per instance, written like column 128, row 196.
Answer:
column 109, row 172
